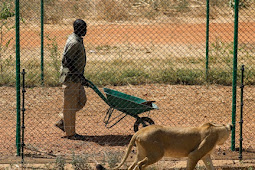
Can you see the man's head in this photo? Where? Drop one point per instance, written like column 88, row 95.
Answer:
column 100, row 167
column 80, row 27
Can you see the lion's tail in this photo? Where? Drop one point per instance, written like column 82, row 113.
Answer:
column 130, row 145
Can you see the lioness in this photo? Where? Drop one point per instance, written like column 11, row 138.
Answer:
column 154, row 142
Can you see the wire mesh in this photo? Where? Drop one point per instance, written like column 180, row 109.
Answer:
column 151, row 49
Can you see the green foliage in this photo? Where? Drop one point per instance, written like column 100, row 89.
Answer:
column 80, row 162
column 121, row 72
column 221, row 53
column 182, row 6
column 6, row 11
column 250, row 168
column 54, row 55
column 50, row 2
column 113, row 158
column 60, row 163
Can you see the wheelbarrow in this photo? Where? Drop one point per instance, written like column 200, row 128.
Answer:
column 127, row 104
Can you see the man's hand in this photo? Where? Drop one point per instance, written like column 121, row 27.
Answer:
column 84, row 81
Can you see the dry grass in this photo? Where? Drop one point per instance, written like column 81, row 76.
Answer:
column 56, row 11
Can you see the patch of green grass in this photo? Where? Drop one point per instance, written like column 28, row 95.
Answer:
column 113, row 158
column 60, row 163
column 121, row 72
column 80, row 162
column 218, row 76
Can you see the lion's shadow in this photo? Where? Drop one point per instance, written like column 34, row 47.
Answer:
column 108, row 140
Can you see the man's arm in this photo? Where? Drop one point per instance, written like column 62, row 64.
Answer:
column 68, row 60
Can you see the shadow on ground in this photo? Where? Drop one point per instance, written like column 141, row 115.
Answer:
column 107, row 140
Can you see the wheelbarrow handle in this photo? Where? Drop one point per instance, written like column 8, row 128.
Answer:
column 100, row 94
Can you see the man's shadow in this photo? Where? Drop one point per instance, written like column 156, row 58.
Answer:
column 108, row 140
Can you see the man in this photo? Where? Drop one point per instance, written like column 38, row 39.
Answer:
column 72, row 70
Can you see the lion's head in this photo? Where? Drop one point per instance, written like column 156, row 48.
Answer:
column 222, row 131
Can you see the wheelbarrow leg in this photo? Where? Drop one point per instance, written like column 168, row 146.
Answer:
column 108, row 120
column 108, row 115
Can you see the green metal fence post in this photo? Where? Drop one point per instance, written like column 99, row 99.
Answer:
column 17, row 76
column 42, row 42
column 241, row 116
column 234, row 75
column 207, row 38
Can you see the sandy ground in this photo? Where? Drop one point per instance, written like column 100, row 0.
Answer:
column 136, row 34
column 179, row 105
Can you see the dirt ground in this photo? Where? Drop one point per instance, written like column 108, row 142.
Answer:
column 114, row 34
column 179, row 105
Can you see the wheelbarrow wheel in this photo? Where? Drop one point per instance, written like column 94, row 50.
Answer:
column 142, row 122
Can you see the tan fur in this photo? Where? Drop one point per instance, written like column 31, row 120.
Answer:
column 154, row 142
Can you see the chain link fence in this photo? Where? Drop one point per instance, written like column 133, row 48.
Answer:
column 151, row 49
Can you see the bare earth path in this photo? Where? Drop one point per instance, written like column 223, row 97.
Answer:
column 178, row 106
column 112, row 34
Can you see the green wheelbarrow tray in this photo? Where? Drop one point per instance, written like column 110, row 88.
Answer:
column 130, row 105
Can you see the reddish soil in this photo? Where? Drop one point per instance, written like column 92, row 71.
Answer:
column 112, row 34
column 178, row 106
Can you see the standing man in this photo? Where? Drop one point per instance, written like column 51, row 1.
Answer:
column 73, row 80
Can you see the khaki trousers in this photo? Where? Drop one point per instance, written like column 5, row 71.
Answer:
column 74, row 100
